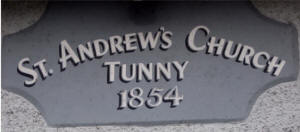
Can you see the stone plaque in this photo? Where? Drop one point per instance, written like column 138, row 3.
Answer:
column 148, row 62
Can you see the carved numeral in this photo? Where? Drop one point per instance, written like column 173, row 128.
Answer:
column 155, row 94
column 133, row 98
column 173, row 96
column 123, row 99
column 136, row 95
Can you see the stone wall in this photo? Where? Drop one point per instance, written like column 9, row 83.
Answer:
column 276, row 110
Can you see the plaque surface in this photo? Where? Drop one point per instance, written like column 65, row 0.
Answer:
column 148, row 63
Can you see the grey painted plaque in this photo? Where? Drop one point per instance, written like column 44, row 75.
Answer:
column 148, row 62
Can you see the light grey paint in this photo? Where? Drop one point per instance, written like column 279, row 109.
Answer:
column 244, row 125
column 215, row 89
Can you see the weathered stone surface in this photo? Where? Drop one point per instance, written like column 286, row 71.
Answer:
column 90, row 62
